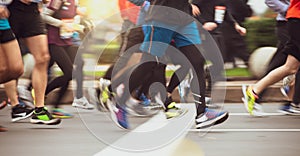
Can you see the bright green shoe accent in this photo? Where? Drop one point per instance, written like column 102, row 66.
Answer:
column 171, row 114
column 172, row 105
column 251, row 97
column 175, row 112
column 43, row 117
column 105, row 95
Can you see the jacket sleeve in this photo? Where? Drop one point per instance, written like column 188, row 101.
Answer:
column 277, row 6
column 48, row 12
column 198, row 4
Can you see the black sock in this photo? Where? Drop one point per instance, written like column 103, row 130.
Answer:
column 38, row 109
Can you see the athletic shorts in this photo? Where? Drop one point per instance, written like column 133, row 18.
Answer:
column 293, row 45
column 6, row 36
column 25, row 20
column 158, row 36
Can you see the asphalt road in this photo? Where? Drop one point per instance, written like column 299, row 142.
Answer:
column 94, row 133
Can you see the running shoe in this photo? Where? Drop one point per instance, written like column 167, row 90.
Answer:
column 285, row 90
column 288, row 80
column 174, row 111
column 44, row 117
column 287, row 109
column 103, row 83
column 82, row 103
column 104, row 97
column 2, row 129
column 249, row 98
column 118, row 115
column 144, row 100
column 137, row 108
column 171, row 110
column 210, row 118
column 295, row 108
column 257, row 109
column 60, row 113
column 20, row 112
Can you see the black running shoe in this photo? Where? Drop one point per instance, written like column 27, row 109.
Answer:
column 44, row 117
column 20, row 112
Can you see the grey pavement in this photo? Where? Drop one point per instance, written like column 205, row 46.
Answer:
column 93, row 133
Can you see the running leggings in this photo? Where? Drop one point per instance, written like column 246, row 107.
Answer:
column 153, row 71
column 65, row 56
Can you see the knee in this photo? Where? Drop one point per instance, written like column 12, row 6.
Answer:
column 42, row 59
column 291, row 69
column 3, row 69
column 14, row 71
column 17, row 70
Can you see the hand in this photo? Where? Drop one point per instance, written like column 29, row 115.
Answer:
column 210, row 26
column 67, row 27
column 195, row 10
column 4, row 13
column 241, row 30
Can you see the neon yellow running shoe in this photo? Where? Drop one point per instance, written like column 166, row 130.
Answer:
column 249, row 98
column 173, row 111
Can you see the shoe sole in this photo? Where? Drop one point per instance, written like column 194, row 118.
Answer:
column 285, row 112
column 179, row 116
column 21, row 118
column 216, row 121
column 78, row 106
column 50, row 122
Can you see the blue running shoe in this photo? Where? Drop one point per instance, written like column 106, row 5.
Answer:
column 118, row 115
column 210, row 118
column 144, row 100
column 122, row 118
column 285, row 90
column 285, row 109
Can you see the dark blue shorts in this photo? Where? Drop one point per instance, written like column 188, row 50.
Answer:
column 158, row 36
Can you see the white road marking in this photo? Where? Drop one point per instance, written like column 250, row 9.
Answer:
column 244, row 130
column 247, row 114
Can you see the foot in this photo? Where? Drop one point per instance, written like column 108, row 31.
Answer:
column 295, row 108
column 174, row 111
column 138, row 108
column 285, row 91
column 249, row 99
column 210, row 118
column 20, row 112
column 104, row 97
column 118, row 115
column 42, row 116
column 82, row 103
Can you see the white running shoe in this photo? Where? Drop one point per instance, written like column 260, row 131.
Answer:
column 82, row 103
